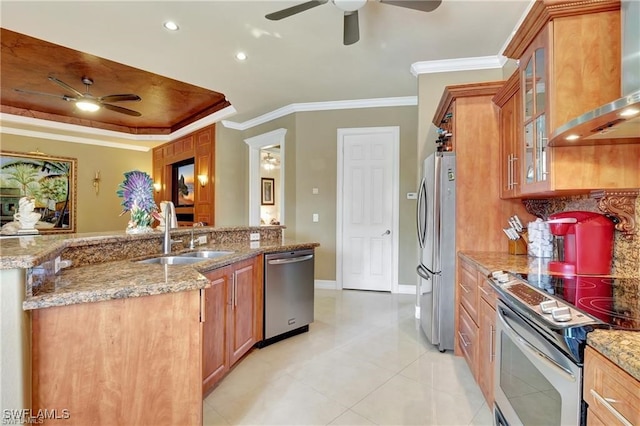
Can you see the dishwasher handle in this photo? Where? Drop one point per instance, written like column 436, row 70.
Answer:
column 290, row 260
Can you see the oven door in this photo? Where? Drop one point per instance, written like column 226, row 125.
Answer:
column 535, row 383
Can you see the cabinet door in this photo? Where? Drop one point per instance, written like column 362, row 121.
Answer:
column 486, row 350
column 215, row 356
column 533, row 75
column 242, row 329
column 510, row 147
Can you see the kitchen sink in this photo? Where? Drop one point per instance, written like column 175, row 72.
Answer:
column 172, row 260
column 209, row 254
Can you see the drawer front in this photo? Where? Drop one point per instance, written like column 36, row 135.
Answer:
column 468, row 340
column 486, row 292
column 468, row 288
column 612, row 394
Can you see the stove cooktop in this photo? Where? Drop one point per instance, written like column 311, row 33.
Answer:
column 576, row 300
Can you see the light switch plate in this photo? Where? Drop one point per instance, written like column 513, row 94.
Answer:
column 202, row 239
column 316, row 217
column 254, row 236
column 314, row 191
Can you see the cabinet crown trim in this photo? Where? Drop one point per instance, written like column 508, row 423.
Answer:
column 450, row 94
column 544, row 11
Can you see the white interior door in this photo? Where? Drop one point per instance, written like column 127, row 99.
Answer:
column 368, row 208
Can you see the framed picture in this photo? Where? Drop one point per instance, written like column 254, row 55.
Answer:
column 50, row 181
column 267, row 191
column 184, row 178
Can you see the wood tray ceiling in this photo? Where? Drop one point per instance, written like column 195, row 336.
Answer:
column 166, row 106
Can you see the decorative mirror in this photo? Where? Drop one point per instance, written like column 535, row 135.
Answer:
column 51, row 183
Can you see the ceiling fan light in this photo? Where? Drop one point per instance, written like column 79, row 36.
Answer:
column 349, row 5
column 87, row 106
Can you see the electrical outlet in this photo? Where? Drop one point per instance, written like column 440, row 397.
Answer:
column 202, row 239
column 254, row 244
column 254, row 236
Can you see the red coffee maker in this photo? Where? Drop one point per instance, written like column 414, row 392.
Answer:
column 584, row 242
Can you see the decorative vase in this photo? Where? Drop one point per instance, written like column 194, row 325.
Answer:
column 137, row 194
column 140, row 221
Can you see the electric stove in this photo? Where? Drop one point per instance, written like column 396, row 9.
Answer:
column 566, row 307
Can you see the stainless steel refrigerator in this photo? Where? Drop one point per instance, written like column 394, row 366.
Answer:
column 436, row 218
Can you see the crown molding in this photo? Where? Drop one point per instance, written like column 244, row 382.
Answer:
column 322, row 106
column 46, row 129
column 458, row 64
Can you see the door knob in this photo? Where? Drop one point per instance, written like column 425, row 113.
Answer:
column 387, row 232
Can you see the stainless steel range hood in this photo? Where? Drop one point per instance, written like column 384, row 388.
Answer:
column 619, row 121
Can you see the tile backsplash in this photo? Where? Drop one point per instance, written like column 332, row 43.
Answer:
column 626, row 251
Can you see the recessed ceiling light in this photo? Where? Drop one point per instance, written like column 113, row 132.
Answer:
column 171, row 26
column 241, row 56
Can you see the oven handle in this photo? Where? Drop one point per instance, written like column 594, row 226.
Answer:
column 524, row 344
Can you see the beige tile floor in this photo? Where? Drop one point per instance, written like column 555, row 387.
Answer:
column 364, row 361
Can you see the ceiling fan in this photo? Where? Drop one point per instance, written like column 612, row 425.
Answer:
column 86, row 101
column 351, row 31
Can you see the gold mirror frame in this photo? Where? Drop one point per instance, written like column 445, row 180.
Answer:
column 50, row 180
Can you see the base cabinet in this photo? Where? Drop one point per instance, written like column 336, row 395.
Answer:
column 233, row 309
column 476, row 325
column 132, row 361
column 612, row 394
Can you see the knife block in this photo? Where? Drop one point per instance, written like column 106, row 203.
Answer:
column 518, row 246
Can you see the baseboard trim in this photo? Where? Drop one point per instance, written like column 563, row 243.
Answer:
column 406, row 289
column 326, row 284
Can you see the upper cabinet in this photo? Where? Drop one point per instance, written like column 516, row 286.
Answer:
column 508, row 100
column 568, row 63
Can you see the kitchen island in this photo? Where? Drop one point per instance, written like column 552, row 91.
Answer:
column 114, row 341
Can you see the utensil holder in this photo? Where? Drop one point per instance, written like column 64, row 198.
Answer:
column 518, row 246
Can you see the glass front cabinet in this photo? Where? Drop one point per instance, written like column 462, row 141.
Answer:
column 534, row 85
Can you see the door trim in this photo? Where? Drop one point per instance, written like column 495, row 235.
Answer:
column 256, row 143
column 395, row 175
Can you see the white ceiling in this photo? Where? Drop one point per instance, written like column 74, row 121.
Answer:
column 299, row 59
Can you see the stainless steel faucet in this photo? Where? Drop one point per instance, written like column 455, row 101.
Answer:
column 169, row 213
column 192, row 244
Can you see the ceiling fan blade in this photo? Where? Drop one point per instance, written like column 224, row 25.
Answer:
column 121, row 110
column 285, row 13
column 421, row 5
column 351, row 28
column 31, row 92
column 120, row 98
column 65, row 86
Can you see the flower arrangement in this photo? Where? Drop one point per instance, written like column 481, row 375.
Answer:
column 137, row 198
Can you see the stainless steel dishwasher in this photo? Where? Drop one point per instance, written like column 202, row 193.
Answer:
column 288, row 294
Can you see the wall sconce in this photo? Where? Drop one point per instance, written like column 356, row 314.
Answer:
column 157, row 186
column 203, row 179
column 96, row 182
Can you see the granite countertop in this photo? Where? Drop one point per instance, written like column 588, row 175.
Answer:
column 104, row 267
column 128, row 278
column 620, row 346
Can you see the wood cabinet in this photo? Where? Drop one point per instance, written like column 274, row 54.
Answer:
column 124, row 361
column 234, row 317
column 477, row 325
column 508, row 100
column 563, row 48
column 486, row 338
column 197, row 148
column 612, row 394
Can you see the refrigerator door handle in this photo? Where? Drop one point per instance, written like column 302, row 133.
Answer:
column 419, row 222
column 423, row 271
